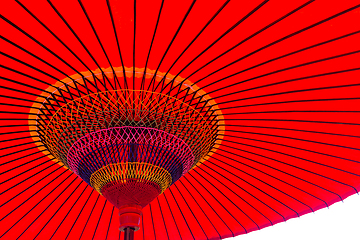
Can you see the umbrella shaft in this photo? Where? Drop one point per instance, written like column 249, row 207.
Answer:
column 128, row 233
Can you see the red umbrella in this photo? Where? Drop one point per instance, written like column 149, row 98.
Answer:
column 227, row 116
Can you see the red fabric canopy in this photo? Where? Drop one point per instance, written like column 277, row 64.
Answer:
column 285, row 75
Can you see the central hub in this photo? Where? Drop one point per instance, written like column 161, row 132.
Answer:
column 129, row 143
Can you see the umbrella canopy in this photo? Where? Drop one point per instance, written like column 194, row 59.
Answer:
column 279, row 80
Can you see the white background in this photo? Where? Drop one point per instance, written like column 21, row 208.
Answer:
column 340, row 222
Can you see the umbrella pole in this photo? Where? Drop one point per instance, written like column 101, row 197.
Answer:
column 128, row 233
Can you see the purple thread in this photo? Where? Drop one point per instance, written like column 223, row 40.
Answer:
column 125, row 135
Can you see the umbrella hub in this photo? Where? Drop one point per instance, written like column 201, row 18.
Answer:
column 128, row 133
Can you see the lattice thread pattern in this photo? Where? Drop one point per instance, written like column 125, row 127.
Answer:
column 121, row 153
column 97, row 111
column 93, row 101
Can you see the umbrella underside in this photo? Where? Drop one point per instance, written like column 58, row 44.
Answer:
column 200, row 120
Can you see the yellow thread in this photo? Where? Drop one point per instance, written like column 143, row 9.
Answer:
column 131, row 170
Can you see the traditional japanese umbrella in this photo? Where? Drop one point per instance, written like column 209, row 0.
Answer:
column 196, row 119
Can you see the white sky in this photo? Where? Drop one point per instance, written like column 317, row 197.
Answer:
column 340, row 222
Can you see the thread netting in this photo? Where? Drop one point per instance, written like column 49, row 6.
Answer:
column 128, row 144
